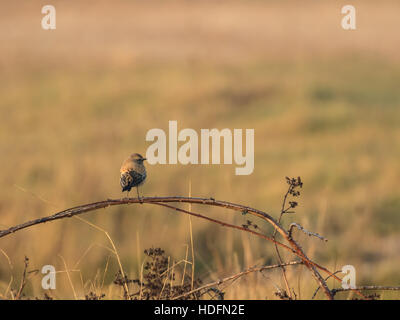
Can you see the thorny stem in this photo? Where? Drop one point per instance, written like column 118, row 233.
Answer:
column 295, row 248
column 276, row 247
column 377, row 288
column 23, row 280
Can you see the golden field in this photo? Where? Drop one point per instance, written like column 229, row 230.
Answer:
column 76, row 101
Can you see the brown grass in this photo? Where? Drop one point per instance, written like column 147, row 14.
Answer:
column 324, row 104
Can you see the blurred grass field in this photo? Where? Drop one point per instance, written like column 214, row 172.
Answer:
column 324, row 103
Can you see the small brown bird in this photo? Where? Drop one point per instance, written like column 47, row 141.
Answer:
column 133, row 173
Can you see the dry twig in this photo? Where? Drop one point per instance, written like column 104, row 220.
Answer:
column 236, row 276
column 295, row 247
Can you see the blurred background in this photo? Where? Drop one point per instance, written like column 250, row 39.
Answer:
column 76, row 101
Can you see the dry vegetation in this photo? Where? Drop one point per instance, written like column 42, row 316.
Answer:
column 324, row 105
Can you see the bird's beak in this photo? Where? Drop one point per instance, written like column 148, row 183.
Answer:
column 144, row 159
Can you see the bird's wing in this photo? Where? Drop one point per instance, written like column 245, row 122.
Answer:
column 126, row 181
column 130, row 179
column 137, row 178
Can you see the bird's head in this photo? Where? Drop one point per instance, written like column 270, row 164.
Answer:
column 136, row 157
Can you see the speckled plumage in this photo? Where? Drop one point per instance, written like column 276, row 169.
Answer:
column 133, row 172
